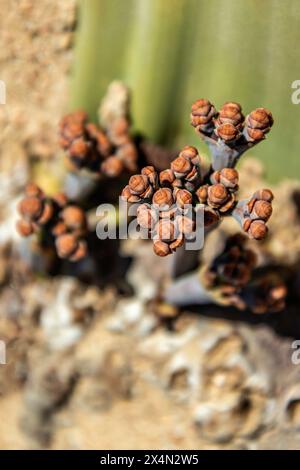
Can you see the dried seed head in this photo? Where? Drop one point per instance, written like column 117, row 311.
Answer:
column 112, row 166
column 260, row 118
column 166, row 230
column 66, row 245
column 33, row 190
column 24, row 228
column 161, row 248
column 257, row 230
column 183, row 197
column 227, row 132
column 138, row 184
column 73, row 217
column 202, row 115
column 163, row 198
column 166, row 177
column 217, row 195
column 230, row 113
column 31, row 207
column 229, row 177
column 181, row 166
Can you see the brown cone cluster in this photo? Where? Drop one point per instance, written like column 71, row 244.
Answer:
column 109, row 152
column 168, row 194
column 232, row 269
column 229, row 124
column 253, row 214
column 165, row 211
column 265, row 294
column 63, row 223
column 219, row 194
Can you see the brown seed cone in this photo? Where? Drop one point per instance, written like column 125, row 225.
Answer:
column 257, row 230
column 127, row 195
column 230, row 113
column 166, row 177
column 163, row 199
column 138, row 184
column 66, row 245
column 217, row 195
column 260, row 195
column 202, row 193
column 24, row 228
column 202, row 115
column 161, row 248
column 260, row 118
column 190, row 153
column 261, row 210
column 227, row 132
column 181, row 166
column 230, row 178
column 112, row 166
column 151, row 174
column 74, row 218
column 30, row 207
column 183, row 198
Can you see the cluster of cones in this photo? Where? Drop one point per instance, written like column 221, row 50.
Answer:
column 170, row 200
column 109, row 152
column 63, row 223
column 231, row 279
column 229, row 124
